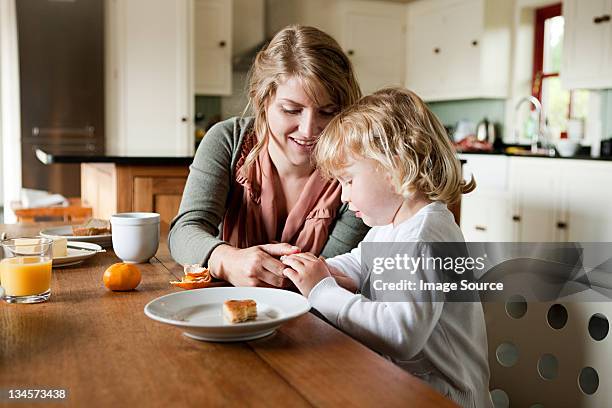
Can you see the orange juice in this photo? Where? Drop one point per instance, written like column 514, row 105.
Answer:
column 25, row 275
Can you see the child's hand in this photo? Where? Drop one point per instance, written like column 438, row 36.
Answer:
column 342, row 279
column 305, row 270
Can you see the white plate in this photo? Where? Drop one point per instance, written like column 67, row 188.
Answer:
column 76, row 256
column 66, row 231
column 199, row 312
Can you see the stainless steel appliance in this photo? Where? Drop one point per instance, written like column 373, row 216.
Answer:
column 61, row 68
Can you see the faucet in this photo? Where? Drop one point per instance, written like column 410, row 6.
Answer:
column 539, row 136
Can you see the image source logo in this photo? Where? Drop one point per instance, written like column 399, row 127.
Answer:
column 484, row 271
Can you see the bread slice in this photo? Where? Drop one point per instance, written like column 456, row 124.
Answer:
column 236, row 311
column 93, row 226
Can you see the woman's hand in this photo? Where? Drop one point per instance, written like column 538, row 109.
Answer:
column 253, row 266
column 305, row 270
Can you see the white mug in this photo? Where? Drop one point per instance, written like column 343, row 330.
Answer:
column 135, row 236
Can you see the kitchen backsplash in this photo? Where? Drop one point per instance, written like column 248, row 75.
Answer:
column 606, row 114
column 449, row 112
column 474, row 110
column 210, row 107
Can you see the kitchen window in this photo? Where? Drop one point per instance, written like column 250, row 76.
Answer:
column 558, row 104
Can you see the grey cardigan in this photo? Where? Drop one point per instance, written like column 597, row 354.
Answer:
column 194, row 232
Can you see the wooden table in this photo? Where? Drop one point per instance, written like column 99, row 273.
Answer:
column 100, row 347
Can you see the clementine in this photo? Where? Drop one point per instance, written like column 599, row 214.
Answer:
column 121, row 276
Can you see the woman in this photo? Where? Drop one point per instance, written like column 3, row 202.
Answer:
column 253, row 182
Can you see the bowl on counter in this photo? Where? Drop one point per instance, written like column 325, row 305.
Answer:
column 567, row 147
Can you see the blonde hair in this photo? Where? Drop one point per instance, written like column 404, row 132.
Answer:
column 308, row 54
column 394, row 127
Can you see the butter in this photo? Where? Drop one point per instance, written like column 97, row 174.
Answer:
column 28, row 246
column 60, row 246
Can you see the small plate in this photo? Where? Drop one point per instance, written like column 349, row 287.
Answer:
column 199, row 312
column 65, row 231
column 75, row 255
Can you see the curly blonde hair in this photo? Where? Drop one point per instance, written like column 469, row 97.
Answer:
column 394, row 127
column 308, row 54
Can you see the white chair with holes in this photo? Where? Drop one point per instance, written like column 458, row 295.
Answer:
column 556, row 354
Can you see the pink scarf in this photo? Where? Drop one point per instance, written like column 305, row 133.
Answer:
column 252, row 217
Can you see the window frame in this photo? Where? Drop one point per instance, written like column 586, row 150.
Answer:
column 538, row 75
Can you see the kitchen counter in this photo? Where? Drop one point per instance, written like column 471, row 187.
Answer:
column 112, row 184
column 113, row 157
column 583, row 154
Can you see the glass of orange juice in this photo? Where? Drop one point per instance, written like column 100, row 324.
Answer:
column 25, row 269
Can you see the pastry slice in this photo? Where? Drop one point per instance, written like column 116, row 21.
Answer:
column 196, row 277
column 236, row 311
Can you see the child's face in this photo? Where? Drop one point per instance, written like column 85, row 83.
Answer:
column 295, row 121
column 368, row 190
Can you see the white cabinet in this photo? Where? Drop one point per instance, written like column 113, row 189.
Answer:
column 587, row 47
column 562, row 200
column 486, row 216
column 373, row 37
column 213, row 47
column 587, row 202
column 372, row 33
column 149, row 91
column 322, row 14
column 536, row 186
column 458, row 49
column 248, row 25
column 526, row 199
column 486, row 213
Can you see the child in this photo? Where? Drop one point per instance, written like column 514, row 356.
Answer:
column 397, row 170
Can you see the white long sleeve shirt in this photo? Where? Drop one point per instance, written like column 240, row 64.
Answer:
column 445, row 344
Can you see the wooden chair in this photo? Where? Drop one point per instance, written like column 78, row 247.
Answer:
column 74, row 212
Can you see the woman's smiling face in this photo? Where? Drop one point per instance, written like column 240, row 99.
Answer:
column 296, row 121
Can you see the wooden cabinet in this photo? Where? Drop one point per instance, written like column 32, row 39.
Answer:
column 99, row 188
column 537, row 200
column 158, row 194
column 587, row 46
column 458, row 49
column 114, row 188
column 373, row 37
column 213, row 47
column 149, row 90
